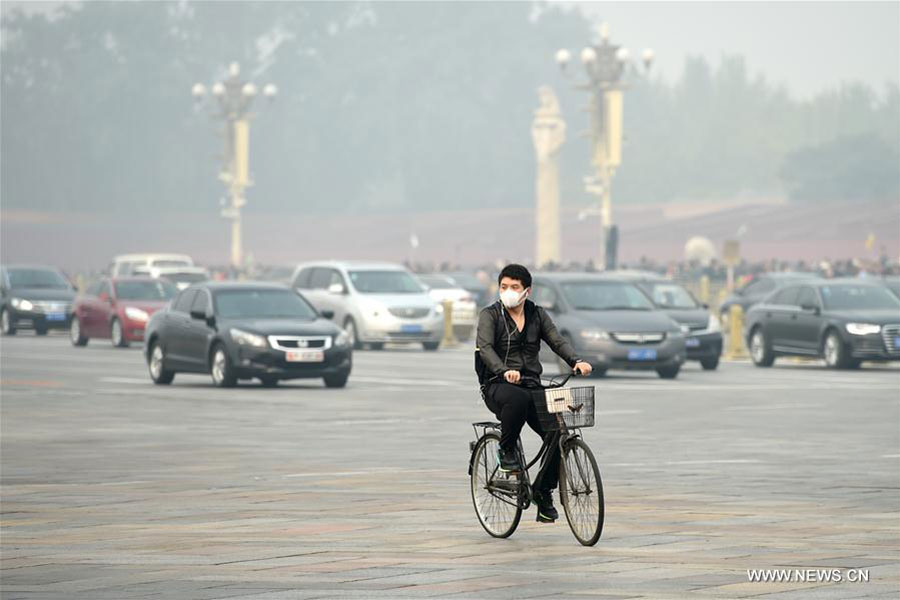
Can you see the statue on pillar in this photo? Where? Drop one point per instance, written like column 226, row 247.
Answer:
column 548, row 132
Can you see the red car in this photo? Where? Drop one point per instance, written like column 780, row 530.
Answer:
column 118, row 308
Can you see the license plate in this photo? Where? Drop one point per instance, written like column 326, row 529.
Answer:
column 897, row 342
column 56, row 316
column 692, row 342
column 306, row 356
column 411, row 328
column 642, row 354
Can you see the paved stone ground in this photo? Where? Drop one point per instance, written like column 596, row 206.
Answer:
column 113, row 488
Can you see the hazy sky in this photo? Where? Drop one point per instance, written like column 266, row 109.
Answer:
column 807, row 46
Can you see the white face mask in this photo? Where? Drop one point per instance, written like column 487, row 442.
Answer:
column 512, row 298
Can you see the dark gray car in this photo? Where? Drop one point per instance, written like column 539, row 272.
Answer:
column 757, row 289
column 843, row 321
column 611, row 323
column 703, row 331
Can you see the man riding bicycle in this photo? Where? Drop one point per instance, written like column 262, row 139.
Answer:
column 508, row 346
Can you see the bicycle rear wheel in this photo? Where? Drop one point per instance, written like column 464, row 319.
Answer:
column 495, row 495
column 581, row 491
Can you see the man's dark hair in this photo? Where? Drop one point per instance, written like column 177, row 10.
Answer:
column 515, row 271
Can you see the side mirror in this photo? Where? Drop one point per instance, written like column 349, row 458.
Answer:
column 201, row 315
column 336, row 288
column 328, row 314
column 704, row 305
column 812, row 308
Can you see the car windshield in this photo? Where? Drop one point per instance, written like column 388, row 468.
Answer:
column 670, row 295
column 385, row 282
column 262, row 304
column 437, row 283
column 851, row 297
column 171, row 262
column 605, row 295
column 36, row 278
column 186, row 277
column 145, row 290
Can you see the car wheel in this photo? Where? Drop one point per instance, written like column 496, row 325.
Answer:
column 352, row 334
column 40, row 330
column 6, row 323
column 158, row 373
column 117, row 335
column 220, row 368
column 760, row 352
column 75, row 334
column 668, row 372
column 835, row 352
column 431, row 346
column 336, row 381
column 376, row 346
column 268, row 381
column 709, row 364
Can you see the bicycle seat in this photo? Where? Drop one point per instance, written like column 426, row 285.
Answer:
column 491, row 424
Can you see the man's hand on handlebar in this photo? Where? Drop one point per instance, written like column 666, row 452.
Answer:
column 512, row 376
column 582, row 368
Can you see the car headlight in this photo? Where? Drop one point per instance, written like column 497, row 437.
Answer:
column 713, row 325
column 22, row 304
column 341, row 339
column 438, row 309
column 245, row 338
column 863, row 328
column 594, row 335
column 136, row 314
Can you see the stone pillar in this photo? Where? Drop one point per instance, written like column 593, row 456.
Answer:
column 548, row 132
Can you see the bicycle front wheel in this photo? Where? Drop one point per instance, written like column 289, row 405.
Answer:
column 495, row 495
column 581, row 491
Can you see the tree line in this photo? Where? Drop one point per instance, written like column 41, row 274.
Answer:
column 393, row 107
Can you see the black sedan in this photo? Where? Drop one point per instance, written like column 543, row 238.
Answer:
column 242, row 331
column 39, row 298
column 703, row 330
column 842, row 321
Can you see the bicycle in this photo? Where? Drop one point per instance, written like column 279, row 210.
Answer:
column 500, row 497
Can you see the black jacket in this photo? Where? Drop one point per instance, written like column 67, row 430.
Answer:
column 501, row 347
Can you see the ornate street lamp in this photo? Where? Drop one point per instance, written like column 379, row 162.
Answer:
column 233, row 98
column 607, row 70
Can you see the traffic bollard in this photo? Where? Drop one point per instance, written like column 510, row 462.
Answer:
column 736, row 333
column 704, row 289
column 449, row 340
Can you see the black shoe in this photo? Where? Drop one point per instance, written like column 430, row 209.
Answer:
column 546, row 513
column 509, row 462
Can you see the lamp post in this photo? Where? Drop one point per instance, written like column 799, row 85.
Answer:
column 607, row 69
column 233, row 99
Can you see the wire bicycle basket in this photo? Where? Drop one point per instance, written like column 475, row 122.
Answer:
column 565, row 408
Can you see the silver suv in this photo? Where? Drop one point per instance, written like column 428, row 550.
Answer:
column 374, row 302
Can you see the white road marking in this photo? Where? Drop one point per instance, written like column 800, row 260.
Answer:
column 135, row 380
column 397, row 381
column 377, row 471
column 685, row 462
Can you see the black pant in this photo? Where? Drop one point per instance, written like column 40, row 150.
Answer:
column 514, row 406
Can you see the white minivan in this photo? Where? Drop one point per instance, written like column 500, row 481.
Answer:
column 374, row 302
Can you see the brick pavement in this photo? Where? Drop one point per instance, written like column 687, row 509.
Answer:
column 113, row 488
